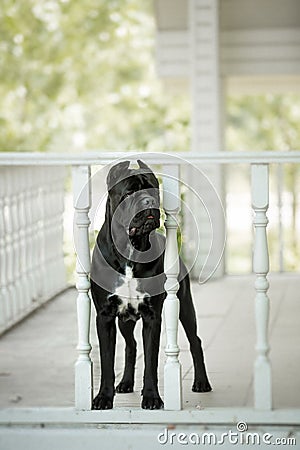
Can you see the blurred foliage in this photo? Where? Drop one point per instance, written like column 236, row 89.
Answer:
column 272, row 122
column 263, row 122
column 77, row 75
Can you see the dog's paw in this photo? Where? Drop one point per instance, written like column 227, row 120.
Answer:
column 201, row 386
column 124, row 387
column 101, row 401
column 152, row 402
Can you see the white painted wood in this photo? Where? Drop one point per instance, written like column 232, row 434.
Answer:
column 258, row 37
column 17, row 298
column 3, row 265
column 262, row 368
column 34, row 250
column 46, row 231
column 262, row 68
column 204, row 66
column 11, row 313
column 172, row 369
column 25, row 284
column 83, row 366
column 261, row 14
column 43, row 216
column 103, row 158
column 170, row 13
column 281, row 241
column 253, row 51
column 64, row 416
column 234, row 14
column 206, row 98
column 172, row 53
column 23, row 240
column 27, row 220
column 51, row 205
column 260, row 84
column 140, row 436
column 173, row 38
column 261, row 52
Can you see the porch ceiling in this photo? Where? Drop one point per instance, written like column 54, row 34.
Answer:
column 259, row 44
column 233, row 14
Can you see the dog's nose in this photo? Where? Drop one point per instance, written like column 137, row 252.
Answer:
column 149, row 202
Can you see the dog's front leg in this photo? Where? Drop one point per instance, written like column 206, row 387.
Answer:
column 151, row 337
column 106, row 329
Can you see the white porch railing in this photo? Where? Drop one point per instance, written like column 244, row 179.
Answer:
column 31, row 233
column 82, row 184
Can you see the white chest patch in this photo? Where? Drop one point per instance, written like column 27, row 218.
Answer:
column 128, row 292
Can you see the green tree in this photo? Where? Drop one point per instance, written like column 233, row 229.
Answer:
column 78, row 75
column 263, row 122
column 270, row 122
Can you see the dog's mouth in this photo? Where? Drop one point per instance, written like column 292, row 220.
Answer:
column 144, row 222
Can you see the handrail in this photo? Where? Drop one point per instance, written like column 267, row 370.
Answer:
column 102, row 158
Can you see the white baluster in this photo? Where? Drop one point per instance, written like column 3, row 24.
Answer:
column 18, row 294
column 45, row 235
column 31, row 205
column 11, row 310
column 262, row 367
column 3, row 264
column 172, row 369
column 23, row 245
column 57, row 262
column 53, row 225
column 35, row 217
column 27, row 233
column 49, row 212
column 83, row 366
column 48, row 216
column 36, row 235
column 62, row 278
column 43, row 229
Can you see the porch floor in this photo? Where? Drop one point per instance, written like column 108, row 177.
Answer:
column 38, row 355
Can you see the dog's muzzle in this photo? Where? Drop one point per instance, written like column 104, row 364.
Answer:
column 146, row 218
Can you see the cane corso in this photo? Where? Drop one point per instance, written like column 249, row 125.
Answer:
column 127, row 282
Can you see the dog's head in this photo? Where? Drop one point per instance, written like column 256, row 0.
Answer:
column 133, row 198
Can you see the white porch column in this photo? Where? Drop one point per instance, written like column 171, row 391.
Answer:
column 83, row 366
column 262, row 367
column 172, row 370
column 207, row 131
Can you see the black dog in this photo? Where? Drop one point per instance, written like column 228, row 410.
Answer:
column 127, row 281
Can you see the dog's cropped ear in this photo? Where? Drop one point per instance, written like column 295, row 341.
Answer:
column 144, row 166
column 115, row 173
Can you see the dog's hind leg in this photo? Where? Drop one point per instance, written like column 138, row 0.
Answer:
column 187, row 317
column 127, row 382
